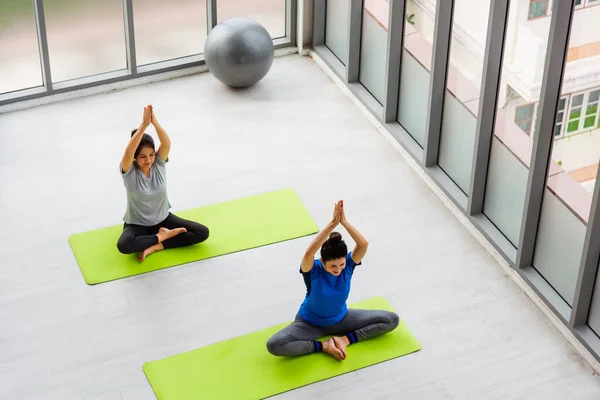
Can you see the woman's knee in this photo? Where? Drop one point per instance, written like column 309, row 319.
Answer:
column 124, row 246
column 200, row 233
column 394, row 320
column 274, row 345
column 203, row 233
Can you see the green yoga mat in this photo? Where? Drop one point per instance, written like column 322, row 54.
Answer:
column 234, row 226
column 242, row 368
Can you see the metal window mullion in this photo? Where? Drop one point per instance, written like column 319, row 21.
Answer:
column 488, row 99
column 291, row 20
column 40, row 21
column 556, row 56
column 588, row 266
column 439, row 73
column 319, row 15
column 354, row 35
column 395, row 39
column 211, row 15
column 130, row 37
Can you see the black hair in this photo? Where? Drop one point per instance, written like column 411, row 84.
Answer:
column 146, row 141
column 334, row 247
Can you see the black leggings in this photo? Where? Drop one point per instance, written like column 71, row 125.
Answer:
column 137, row 238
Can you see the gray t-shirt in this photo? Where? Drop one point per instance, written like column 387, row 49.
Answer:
column 147, row 200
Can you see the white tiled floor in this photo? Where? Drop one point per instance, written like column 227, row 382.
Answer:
column 61, row 339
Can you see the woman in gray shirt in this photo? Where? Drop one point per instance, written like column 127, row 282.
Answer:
column 149, row 226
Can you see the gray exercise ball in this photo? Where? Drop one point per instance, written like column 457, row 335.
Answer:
column 239, row 52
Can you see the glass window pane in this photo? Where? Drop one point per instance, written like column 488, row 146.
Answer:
column 505, row 194
column 594, row 96
column 524, row 112
column 574, row 117
column 573, row 126
column 589, row 122
column 562, row 103
column 269, row 13
column 164, row 31
column 557, row 129
column 415, row 70
column 85, row 38
column 525, row 125
column 524, row 51
column 537, row 8
column 336, row 28
column 19, row 56
column 559, row 244
column 571, row 177
column 459, row 123
column 373, row 48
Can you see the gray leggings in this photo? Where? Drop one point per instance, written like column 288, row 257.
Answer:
column 298, row 338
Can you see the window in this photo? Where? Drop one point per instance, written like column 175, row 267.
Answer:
column 538, row 8
column 583, row 112
column 524, row 117
column 591, row 112
column 560, row 117
column 542, row 8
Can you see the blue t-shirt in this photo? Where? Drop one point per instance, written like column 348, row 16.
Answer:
column 326, row 294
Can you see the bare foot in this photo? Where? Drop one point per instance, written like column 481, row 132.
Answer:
column 157, row 247
column 341, row 343
column 329, row 347
column 164, row 233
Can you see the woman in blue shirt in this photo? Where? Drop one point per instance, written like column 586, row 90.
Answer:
column 324, row 311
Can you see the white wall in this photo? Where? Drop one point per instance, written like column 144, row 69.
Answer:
column 577, row 151
column 585, row 24
column 468, row 36
column 525, row 52
column 424, row 20
column 471, row 23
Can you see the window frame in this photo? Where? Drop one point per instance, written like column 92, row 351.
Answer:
column 532, row 119
column 585, row 103
column 562, row 122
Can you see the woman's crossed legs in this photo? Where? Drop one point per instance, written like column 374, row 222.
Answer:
column 172, row 232
column 300, row 337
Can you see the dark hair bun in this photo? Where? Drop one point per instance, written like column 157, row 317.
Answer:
column 335, row 238
column 133, row 132
column 334, row 247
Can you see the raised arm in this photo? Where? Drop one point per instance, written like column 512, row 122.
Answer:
column 165, row 141
column 361, row 243
column 317, row 242
column 128, row 156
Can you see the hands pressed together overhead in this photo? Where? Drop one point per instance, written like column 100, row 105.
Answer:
column 149, row 117
column 339, row 217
